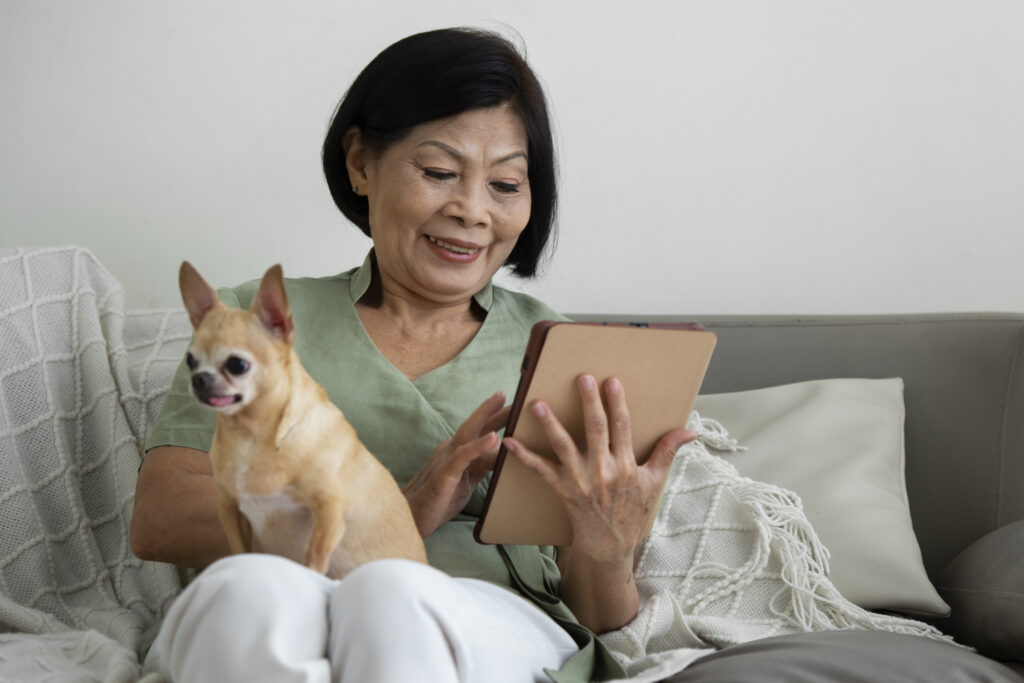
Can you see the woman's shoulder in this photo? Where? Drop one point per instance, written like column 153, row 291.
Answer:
column 522, row 307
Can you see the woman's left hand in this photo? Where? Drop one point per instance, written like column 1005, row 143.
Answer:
column 608, row 496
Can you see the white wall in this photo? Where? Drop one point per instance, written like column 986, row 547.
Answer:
column 728, row 156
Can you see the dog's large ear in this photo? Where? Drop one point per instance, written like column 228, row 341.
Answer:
column 199, row 297
column 271, row 305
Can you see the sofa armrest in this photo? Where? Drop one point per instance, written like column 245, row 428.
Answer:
column 984, row 586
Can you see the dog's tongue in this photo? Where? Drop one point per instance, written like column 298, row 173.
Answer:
column 221, row 401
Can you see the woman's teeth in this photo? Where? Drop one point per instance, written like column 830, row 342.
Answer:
column 451, row 247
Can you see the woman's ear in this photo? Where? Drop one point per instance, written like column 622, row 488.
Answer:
column 357, row 157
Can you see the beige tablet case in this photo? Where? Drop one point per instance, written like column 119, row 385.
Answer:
column 661, row 371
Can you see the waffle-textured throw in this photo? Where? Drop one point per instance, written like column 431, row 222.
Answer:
column 79, row 383
column 730, row 560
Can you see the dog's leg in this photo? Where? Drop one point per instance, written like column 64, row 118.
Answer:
column 247, row 535
column 236, row 529
column 328, row 529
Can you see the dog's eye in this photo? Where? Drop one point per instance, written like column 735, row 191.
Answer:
column 191, row 361
column 236, row 365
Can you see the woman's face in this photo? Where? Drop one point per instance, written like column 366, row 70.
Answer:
column 447, row 202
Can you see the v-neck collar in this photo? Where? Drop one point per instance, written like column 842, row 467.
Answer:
column 362, row 278
column 360, row 282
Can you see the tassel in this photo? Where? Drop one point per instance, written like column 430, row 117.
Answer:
column 712, row 433
column 809, row 600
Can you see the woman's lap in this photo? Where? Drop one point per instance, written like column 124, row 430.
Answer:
column 385, row 620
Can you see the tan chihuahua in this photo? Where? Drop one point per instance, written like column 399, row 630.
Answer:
column 283, row 455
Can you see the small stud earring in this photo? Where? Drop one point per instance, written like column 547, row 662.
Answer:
column 355, row 189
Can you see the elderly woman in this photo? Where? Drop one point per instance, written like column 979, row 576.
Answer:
column 441, row 152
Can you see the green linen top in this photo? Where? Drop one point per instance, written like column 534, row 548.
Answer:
column 403, row 421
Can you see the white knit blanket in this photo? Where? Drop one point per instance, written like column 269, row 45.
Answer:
column 79, row 383
column 730, row 560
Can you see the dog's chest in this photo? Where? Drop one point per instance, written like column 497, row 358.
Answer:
column 262, row 510
column 281, row 524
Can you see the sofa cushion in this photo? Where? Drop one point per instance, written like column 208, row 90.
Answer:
column 984, row 585
column 848, row 656
column 838, row 444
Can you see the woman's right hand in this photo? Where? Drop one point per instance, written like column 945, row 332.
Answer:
column 448, row 478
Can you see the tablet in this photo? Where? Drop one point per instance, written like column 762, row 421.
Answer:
column 660, row 366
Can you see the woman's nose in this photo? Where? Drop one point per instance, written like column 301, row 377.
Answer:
column 468, row 205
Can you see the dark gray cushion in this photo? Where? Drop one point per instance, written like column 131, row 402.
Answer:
column 846, row 657
column 984, row 587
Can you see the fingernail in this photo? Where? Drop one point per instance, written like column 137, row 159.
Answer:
column 613, row 386
column 539, row 409
column 586, row 382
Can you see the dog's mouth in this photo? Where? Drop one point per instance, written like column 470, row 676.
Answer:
column 222, row 401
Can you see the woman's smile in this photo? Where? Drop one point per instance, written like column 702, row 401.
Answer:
column 456, row 250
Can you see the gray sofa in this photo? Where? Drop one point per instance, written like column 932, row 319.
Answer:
column 964, row 394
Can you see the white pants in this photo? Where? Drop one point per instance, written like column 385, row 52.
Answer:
column 263, row 618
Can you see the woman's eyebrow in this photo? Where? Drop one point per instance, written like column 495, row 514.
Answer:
column 458, row 156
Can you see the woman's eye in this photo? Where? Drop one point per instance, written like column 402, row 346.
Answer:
column 438, row 175
column 505, row 188
column 236, row 366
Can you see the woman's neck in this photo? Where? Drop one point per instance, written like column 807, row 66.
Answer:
column 415, row 334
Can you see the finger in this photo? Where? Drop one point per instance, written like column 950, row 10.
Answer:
column 486, row 458
column 544, row 468
column 476, row 423
column 595, row 420
column 665, row 450
column 468, row 454
column 561, row 441
column 620, row 432
column 499, row 420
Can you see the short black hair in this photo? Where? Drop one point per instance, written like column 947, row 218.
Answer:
column 435, row 75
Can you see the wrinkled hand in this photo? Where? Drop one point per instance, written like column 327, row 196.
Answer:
column 607, row 495
column 447, row 479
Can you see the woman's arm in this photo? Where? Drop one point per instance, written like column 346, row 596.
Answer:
column 602, row 594
column 175, row 515
column 608, row 497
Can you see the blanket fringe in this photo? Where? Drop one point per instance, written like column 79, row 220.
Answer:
column 809, row 600
column 713, row 433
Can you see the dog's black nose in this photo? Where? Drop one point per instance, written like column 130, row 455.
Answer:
column 199, row 381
